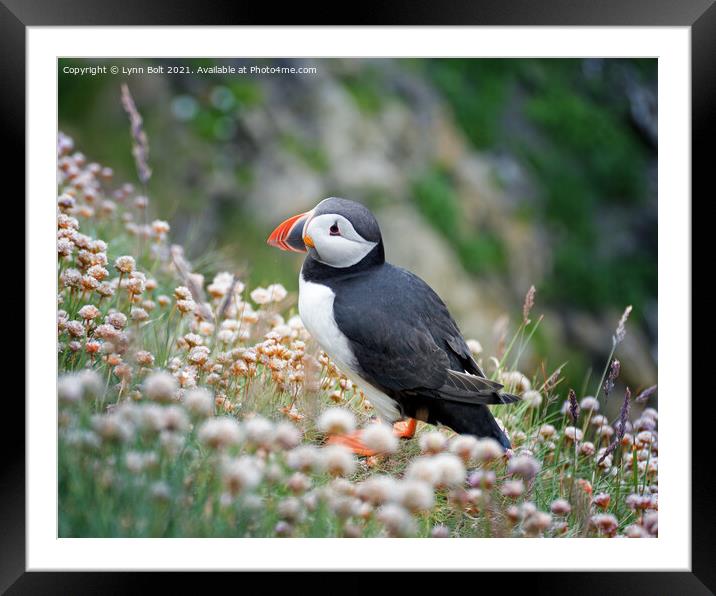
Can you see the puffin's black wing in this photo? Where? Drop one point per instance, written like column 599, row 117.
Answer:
column 405, row 341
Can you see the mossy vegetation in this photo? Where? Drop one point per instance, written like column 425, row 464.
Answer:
column 568, row 122
column 480, row 251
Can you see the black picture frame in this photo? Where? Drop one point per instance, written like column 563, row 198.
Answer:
column 699, row 15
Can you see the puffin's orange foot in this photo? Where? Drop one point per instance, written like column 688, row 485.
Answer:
column 353, row 442
column 405, row 429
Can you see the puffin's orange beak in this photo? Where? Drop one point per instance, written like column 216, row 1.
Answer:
column 289, row 234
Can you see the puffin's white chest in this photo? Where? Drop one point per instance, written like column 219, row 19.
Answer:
column 315, row 305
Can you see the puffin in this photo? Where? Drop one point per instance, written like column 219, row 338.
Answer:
column 385, row 328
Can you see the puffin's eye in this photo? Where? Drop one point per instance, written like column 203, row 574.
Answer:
column 334, row 230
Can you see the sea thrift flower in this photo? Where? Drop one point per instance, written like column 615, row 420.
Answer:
column 144, row 358
column 240, row 474
column 573, row 434
column 69, row 389
column 450, row 470
column 547, row 431
column 488, row 450
column 199, row 402
column 432, row 442
column 337, row 460
column 89, row 312
column 587, row 448
column 474, row 346
column 259, row 431
column 276, row 291
column 440, row 531
column 484, row 479
column 602, row 500
column 515, row 380
column 125, row 264
column 186, row 306
column 160, row 387
column 589, row 403
column 416, row 496
column 260, row 296
column 513, row 488
column 397, row 521
column 118, row 320
column 219, row 433
column 524, row 466
column 604, row 523
column 182, row 293
column 536, row 523
column 304, row 458
column 380, row 438
column 379, row 489
column 533, row 398
column 138, row 314
column 337, row 421
column 465, row 447
column 560, row 507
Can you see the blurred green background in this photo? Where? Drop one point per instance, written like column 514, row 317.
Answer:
column 487, row 176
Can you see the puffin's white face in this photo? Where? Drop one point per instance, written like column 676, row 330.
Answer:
column 334, row 241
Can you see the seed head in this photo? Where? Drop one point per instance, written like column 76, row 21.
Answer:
column 528, row 304
column 573, row 406
column 646, row 394
column 614, row 369
column 620, row 333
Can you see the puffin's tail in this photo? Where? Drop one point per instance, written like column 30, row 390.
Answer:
column 469, row 418
column 477, row 420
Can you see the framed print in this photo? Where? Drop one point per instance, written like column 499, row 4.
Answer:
column 402, row 284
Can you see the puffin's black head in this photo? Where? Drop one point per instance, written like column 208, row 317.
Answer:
column 337, row 232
